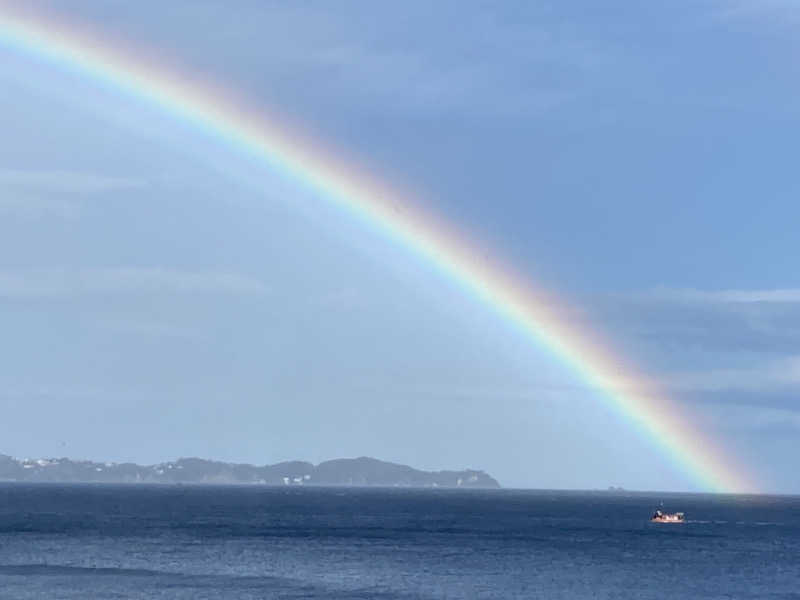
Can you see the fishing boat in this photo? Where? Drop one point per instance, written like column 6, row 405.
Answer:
column 662, row 517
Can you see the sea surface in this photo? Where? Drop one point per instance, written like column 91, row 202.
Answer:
column 100, row 541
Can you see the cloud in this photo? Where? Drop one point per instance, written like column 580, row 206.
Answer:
column 407, row 80
column 143, row 327
column 342, row 299
column 764, row 377
column 12, row 390
column 72, row 182
column 742, row 418
column 388, row 58
column 33, row 206
column 791, row 295
column 709, row 347
column 763, row 321
column 56, row 283
column 35, row 194
column 777, row 12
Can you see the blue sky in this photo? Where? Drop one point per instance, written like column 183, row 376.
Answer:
column 162, row 296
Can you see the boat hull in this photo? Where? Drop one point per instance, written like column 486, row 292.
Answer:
column 660, row 517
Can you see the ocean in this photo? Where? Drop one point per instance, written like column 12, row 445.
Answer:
column 103, row 541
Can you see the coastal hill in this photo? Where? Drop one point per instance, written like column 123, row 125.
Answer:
column 341, row 472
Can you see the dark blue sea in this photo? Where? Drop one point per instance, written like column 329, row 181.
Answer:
column 94, row 541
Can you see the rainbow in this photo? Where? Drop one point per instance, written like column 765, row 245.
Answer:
column 251, row 131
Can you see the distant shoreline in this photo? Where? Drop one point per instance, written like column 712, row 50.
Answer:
column 346, row 472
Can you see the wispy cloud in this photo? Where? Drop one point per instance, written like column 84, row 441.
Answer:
column 411, row 81
column 54, row 283
column 36, row 194
column 783, row 12
column 341, row 299
column 148, row 327
column 396, row 59
column 766, row 375
column 72, row 182
column 27, row 205
column 14, row 391
column 791, row 295
column 756, row 418
column 723, row 321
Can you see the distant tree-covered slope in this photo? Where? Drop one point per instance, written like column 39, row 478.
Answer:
column 344, row 471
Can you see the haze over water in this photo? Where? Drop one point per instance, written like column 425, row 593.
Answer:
column 96, row 541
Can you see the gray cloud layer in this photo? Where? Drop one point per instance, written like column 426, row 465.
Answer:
column 720, row 347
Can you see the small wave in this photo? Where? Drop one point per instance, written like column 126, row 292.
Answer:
column 715, row 522
column 698, row 521
column 706, row 522
column 46, row 569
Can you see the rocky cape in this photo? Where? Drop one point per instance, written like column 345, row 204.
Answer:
column 341, row 472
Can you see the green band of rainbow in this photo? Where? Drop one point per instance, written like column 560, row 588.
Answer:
column 508, row 294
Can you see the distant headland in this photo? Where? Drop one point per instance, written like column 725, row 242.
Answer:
column 361, row 471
